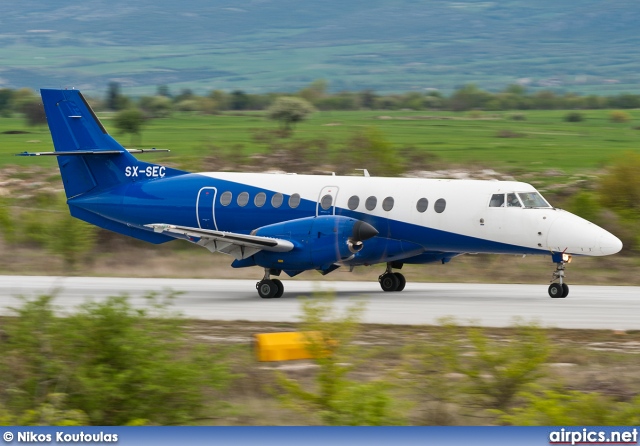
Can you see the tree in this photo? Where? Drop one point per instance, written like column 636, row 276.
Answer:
column 163, row 90
column 129, row 121
column 468, row 97
column 239, row 100
column 316, row 90
column 156, row 106
column 115, row 100
column 6, row 97
column 34, row 112
column 368, row 98
column 289, row 111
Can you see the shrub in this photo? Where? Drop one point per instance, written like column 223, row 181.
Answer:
column 571, row 408
column 115, row 363
column 619, row 191
column 336, row 399
column 574, row 117
column 620, row 188
column 498, row 371
column 489, row 373
column 371, row 149
column 586, row 205
column 619, row 116
column 509, row 134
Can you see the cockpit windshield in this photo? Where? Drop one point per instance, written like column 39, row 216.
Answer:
column 533, row 200
column 518, row 200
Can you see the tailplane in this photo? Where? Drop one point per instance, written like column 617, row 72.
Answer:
column 90, row 159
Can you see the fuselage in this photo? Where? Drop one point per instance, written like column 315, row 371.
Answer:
column 446, row 217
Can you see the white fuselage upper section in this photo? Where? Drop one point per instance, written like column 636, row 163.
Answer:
column 460, row 207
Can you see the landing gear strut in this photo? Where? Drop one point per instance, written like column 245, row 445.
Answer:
column 559, row 289
column 269, row 288
column 390, row 281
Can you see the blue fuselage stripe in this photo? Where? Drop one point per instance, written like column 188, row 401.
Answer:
column 174, row 201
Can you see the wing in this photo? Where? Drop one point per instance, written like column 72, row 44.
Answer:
column 240, row 246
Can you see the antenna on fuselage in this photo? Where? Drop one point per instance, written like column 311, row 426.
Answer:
column 365, row 172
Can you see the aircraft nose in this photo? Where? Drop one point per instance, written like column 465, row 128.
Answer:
column 574, row 235
column 609, row 243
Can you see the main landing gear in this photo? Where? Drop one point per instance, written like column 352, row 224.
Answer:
column 559, row 289
column 269, row 288
column 390, row 281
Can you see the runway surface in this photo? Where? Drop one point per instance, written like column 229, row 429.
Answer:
column 496, row 305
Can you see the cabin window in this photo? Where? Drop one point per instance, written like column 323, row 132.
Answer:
column 294, row 201
column 513, row 201
column 440, row 205
column 371, row 203
column 497, row 201
column 326, row 202
column 387, row 204
column 276, row 200
column 243, row 199
column 226, row 198
column 260, row 199
column 353, row 202
column 422, row 205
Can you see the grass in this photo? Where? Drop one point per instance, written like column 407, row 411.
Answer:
column 542, row 142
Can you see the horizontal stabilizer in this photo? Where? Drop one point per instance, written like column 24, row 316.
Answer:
column 73, row 153
column 241, row 246
column 90, row 152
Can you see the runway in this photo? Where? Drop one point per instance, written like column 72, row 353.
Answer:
column 495, row 305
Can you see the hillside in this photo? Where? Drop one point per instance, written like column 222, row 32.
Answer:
column 282, row 45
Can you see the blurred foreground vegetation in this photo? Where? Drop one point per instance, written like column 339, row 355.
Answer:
column 110, row 363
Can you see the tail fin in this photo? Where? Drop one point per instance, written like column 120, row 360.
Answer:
column 100, row 162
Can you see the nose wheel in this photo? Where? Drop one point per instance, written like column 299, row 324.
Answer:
column 390, row 281
column 559, row 289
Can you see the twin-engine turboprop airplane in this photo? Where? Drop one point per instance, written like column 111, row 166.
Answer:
column 294, row 223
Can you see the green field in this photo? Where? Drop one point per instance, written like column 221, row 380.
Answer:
column 541, row 142
column 557, row 157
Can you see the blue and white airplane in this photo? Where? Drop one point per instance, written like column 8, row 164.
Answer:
column 294, row 223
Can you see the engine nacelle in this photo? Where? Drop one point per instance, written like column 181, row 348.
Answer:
column 319, row 242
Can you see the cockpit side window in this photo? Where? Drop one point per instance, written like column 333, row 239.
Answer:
column 513, row 201
column 497, row 201
column 533, row 200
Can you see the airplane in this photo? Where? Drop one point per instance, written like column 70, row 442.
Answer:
column 293, row 223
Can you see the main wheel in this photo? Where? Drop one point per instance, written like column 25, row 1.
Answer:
column 267, row 289
column 280, row 287
column 388, row 282
column 402, row 282
column 565, row 290
column 555, row 290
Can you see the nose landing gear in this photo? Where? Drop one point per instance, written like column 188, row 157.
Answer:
column 559, row 289
column 390, row 281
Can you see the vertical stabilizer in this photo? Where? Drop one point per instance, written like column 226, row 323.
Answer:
column 75, row 128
